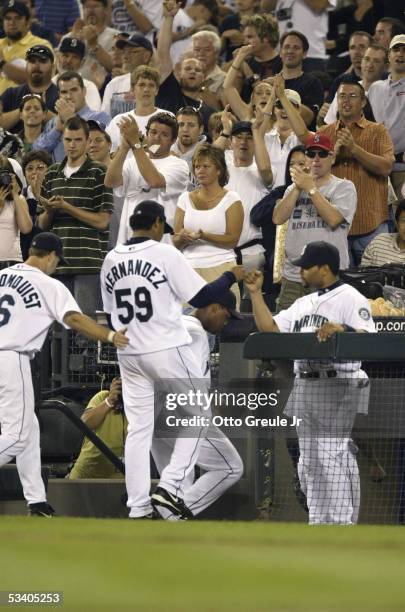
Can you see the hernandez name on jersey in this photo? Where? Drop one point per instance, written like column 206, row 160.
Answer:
column 144, row 286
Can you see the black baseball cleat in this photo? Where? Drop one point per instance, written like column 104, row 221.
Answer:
column 41, row 509
column 163, row 498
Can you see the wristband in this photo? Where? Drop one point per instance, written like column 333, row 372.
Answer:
column 110, row 337
column 224, row 135
column 108, row 403
column 235, row 68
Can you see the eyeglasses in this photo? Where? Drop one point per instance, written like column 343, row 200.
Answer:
column 350, row 96
column 312, row 153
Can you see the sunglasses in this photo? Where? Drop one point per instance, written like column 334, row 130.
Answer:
column 280, row 106
column 312, row 153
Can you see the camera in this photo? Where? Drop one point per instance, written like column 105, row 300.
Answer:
column 119, row 406
column 5, row 179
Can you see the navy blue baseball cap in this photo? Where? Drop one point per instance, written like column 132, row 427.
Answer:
column 228, row 301
column 72, row 45
column 151, row 209
column 241, row 126
column 136, row 40
column 318, row 254
column 17, row 7
column 46, row 241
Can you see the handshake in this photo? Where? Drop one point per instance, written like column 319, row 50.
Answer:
column 253, row 279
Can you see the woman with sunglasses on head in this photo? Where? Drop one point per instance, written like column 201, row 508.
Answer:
column 14, row 215
column 208, row 221
column 33, row 113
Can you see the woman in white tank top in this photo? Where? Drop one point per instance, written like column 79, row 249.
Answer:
column 209, row 220
column 14, row 216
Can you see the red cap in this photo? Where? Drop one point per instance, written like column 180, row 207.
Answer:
column 319, row 141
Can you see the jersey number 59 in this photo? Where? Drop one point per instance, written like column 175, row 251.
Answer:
column 141, row 300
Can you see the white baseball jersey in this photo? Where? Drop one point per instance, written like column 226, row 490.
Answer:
column 144, row 285
column 341, row 304
column 30, row 301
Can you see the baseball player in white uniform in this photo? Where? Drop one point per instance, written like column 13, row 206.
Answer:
column 217, row 456
column 326, row 395
column 30, row 301
column 144, row 284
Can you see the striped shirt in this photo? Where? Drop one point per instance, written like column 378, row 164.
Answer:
column 83, row 246
column 372, row 190
column 383, row 250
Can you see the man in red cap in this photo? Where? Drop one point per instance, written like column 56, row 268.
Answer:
column 364, row 154
column 319, row 207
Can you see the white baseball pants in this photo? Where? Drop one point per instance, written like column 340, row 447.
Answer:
column 327, row 466
column 217, row 457
column 139, row 373
column 19, row 426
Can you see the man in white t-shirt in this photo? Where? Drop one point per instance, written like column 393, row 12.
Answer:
column 98, row 36
column 319, row 206
column 145, row 85
column 118, row 95
column 250, row 175
column 156, row 173
column 309, row 17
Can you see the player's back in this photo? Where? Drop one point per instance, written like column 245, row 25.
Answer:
column 29, row 302
column 144, row 284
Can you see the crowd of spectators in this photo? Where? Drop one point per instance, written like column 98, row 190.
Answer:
column 238, row 116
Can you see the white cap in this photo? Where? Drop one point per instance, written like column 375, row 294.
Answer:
column 293, row 96
column 397, row 40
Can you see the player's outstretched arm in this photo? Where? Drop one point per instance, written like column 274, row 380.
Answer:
column 89, row 328
column 263, row 317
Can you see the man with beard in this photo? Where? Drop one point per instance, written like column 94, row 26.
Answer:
column 39, row 73
column 190, row 133
column 18, row 39
column 99, row 38
column 187, row 89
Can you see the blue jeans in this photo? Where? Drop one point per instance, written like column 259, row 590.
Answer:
column 358, row 244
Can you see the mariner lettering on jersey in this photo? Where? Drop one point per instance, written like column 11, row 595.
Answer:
column 137, row 267
column 312, row 320
column 23, row 287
